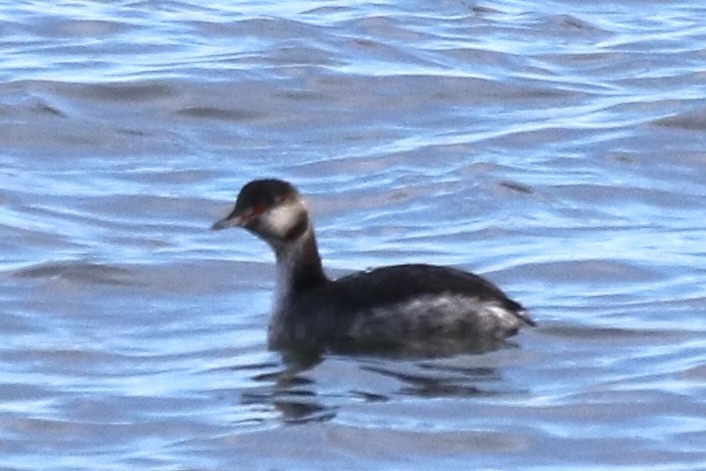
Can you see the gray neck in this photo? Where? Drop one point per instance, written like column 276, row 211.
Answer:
column 298, row 266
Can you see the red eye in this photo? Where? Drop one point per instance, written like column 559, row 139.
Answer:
column 258, row 208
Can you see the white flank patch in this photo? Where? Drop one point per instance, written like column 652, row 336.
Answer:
column 443, row 314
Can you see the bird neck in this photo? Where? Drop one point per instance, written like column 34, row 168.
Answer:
column 299, row 265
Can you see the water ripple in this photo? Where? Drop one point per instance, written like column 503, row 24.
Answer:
column 555, row 148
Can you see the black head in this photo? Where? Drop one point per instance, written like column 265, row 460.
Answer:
column 261, row 195
column 270, row 208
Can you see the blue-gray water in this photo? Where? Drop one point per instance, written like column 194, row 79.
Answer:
column 558, row 148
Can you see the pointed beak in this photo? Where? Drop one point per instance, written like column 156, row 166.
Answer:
column 234, row 219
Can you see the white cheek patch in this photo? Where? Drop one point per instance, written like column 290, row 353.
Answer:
column 279, row 220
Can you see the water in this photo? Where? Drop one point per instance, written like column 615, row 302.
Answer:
column 557, row 148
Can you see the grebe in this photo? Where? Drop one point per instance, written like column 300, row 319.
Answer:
column 415, row 308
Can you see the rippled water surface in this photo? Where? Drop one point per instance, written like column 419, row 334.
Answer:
column 558, row 148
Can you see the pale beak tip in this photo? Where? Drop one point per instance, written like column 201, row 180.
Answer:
column 225, row 223
column 218, row 225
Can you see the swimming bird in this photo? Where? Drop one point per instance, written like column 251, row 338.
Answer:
column 413, row 308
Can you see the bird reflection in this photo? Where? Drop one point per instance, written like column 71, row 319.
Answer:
column 436, row 385
column 293, row 392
